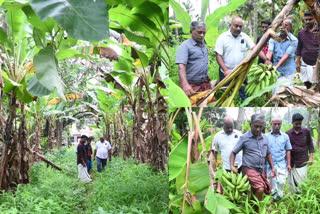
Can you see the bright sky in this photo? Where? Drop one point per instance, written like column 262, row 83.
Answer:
column 196, row 4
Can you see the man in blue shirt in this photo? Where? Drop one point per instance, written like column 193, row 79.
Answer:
column 280, row 147
column 283, row 53
column 192, row 60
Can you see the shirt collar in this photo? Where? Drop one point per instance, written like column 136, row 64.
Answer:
column 280, row 133
column 193, row 42
column 306, row 29
column 230, row 34
column 251, row 135
column 233, row 132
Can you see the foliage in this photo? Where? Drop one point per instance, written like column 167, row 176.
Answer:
column 122, row 187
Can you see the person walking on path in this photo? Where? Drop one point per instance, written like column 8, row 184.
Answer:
column 82, row 161
column 280, row 147
column 302, row 146
column 89, row 153
column 255, row 153
column 102, row 152
column 224, row 141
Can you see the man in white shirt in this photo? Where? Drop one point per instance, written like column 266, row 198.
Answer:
column 224, row 141
column 231, row 48
column 102, row 152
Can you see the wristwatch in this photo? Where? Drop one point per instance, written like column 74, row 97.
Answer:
column 267, row 59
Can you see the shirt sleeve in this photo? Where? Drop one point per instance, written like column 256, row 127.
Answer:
column 182, row 54
column 249, row 42
column 271, row 45
column 109, row 146
column 96, row 146
column 299, row 48
column 216, row 143
column 309, row 142
column 292, row 48
column 219, row 45
column 238, row 147
column 288, row 144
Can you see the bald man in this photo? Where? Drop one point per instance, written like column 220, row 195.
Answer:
column 224, row 142
column 231, row 48
column 280, row 148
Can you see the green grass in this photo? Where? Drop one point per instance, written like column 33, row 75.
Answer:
column 123, row 187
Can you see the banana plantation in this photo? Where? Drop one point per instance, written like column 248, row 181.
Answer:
column 198, row 181
column 97, row 64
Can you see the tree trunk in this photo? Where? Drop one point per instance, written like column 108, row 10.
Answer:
column 51, row 132
column 255, row 20
column 59, row 133
column 9, row 143
column 241, row 114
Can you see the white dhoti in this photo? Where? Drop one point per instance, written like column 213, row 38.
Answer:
column 306, row 72
column 277, row 183
column 296, row 177
column 287, row 80
column 83, row 174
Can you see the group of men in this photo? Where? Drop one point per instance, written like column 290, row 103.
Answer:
column 84, row 152
column 275, row 155
column 232, row 46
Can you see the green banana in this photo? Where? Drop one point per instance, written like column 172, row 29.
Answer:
column 262, row 76
column 228, row 183
column 233, row 177
column 239, row 178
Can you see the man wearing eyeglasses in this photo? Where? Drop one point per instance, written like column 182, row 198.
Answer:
column 231, row 48
column 192, row 60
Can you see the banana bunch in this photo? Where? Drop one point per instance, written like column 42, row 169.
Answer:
column 235, row 185
column 261, row 76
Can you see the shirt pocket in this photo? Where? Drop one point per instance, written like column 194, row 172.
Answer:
column 243, row 47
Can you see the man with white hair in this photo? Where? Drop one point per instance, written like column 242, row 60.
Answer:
column 192, row 61
column 283, row 53
column 280, row 147
column 256, row 151
column 224, row 141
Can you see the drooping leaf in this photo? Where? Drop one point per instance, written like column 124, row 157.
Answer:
column 9, row 84
column 85, row 19
column 217, row 203
column 22, row 94
column 213, row 20
column 150, row 10
column 204, row 8
column 136, row 22
column 177, row 97
column 198, row 177
column 178, row 159
column 143, row 58
column 36, row 88
column 181, row 15
column 32, row 17
column 46, row 67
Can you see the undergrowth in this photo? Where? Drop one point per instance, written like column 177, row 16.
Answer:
column 123, row 187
